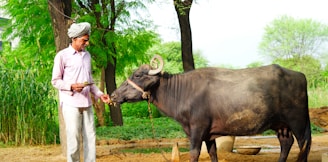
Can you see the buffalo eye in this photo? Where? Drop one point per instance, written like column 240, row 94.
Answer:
column 137, row 75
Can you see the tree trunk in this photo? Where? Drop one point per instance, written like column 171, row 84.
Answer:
column 60, row 24
column 115, row 112
column 99, row 106
column 183, row 10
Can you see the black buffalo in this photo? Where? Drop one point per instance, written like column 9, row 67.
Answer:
column 213, row 102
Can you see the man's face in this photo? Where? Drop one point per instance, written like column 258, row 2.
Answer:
column 80, row 43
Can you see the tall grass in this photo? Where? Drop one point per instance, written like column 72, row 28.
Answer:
column 318, row 97
column 27, row 110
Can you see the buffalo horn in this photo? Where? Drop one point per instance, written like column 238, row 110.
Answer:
column 160, row 66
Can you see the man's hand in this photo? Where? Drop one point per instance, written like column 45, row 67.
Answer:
column 105, row 98
column 77, row 87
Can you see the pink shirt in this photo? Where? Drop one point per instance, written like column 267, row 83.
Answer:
column 72, row 67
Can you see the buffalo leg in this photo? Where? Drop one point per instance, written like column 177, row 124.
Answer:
column 303, row 137
column 286, row 140
column 195, row 146
column 211, row 149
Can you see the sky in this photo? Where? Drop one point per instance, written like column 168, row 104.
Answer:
column 228, row 32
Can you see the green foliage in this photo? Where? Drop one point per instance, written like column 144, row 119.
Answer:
column 171, row 53
column 30, row 21
column 322, row 78
column 315, row 129
column 139, row 110
column 318, row 96
column 27, row 115
column 287, row 37
column 298, row 45
column 306, row 64
column 32, row 25
column 132, row 48
column 255, row 64
column 3, row 21
column 141, row 128
column 269, row 132
column 119, row 37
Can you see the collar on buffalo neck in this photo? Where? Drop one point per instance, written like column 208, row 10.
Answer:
column 145, row 95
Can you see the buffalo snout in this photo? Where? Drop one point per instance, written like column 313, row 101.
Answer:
column 114, row 98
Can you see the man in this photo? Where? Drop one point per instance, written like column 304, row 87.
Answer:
column 72, row 77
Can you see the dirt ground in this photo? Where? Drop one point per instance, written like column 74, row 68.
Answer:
column 110, row 150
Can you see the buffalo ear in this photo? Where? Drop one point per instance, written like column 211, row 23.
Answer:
column 157, row 68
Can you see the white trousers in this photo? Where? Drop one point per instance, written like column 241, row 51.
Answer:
column 77, row 121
